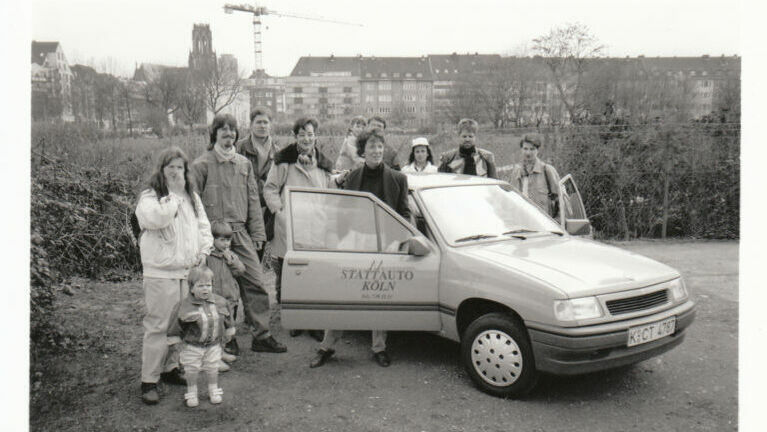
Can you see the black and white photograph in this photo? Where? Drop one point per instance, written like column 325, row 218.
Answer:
column 296, row 215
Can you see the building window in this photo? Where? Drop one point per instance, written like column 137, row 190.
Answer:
column 323, row 89
column 408, row 97
column 298, row 100
column 347, row 110
column 384, row 85
column 347, row 89
column 408, row 75
column 410, row 109
column 298, row 90
column 419, row 75
column 268, row 103
column 323, row 101
column 348, row 100
column 368, row 75
column 370, row 98
column 396, row 74
column 383, row 74
column 384, row 110
column 370, row 86
column 385, row 98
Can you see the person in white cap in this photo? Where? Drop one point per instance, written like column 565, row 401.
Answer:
column 420, row 159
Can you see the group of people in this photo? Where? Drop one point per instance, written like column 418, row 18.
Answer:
column 204, row 225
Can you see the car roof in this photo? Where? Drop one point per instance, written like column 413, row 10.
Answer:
column 424, row 181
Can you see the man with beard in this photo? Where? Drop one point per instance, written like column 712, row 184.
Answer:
column 227, row 184
column 468, row 158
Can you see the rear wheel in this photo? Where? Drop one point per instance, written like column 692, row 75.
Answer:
column 498, row 357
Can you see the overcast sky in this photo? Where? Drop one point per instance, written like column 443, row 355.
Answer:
column 117, row 34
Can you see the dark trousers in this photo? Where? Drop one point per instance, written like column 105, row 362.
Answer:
column 277, row 267
column 254, row 298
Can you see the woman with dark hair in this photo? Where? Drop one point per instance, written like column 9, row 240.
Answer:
column 175, row 236
column 298, row 164
column 421, row 159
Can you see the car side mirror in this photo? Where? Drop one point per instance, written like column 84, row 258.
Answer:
column 417, row 246
column 578, row 227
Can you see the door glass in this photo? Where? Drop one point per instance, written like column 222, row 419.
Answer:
column 573, row 207
column 323, row 221
column 393, row 233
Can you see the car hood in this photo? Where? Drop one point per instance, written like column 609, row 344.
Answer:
column 577, row 267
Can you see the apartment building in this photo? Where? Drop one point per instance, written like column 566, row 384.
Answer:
column 51, row 82
column 398, row 88
column 324, row 87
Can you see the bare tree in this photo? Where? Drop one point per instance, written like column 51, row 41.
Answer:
column 566, row 51
column 191, row 101
column 162, row 91
column 220, row 86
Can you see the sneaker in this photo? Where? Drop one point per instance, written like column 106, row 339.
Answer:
column 223, row 367
column 267, row 344
column 232, row 348
column 321, row 358
column 225, row 356
column 382, row 358
column 173, row 377
column 215, row 395
column 317, row 335
column 149, row 393
column 191, row 399
column 294, row 332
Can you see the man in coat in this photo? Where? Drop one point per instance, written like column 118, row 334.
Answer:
column 468, row 158
column 259, row 148
column 227, row 184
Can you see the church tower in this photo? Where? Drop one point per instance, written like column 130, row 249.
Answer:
column 202, row 56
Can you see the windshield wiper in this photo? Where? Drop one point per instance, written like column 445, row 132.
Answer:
column 559, row 233
column 475, row 237
column 517, row 233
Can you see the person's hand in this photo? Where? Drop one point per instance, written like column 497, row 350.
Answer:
column 176, row 183
column 342, row 177
column 228, row 256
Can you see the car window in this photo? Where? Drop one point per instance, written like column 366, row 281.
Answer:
column 333, row 222
column 573, row 207
column 393, row 233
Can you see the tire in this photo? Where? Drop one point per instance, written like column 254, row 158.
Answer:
column 496, row 353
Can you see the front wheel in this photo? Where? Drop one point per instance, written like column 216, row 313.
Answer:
column 497, row 355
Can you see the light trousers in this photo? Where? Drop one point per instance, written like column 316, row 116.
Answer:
column 331, row 338
column 160, row 297
column 197, row 358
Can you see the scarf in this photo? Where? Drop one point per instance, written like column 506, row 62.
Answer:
column 226, row 155
column 469, row 167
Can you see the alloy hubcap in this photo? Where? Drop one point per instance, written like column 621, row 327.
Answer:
column 497, row 358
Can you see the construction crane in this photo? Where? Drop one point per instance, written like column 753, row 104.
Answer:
column 258, row 11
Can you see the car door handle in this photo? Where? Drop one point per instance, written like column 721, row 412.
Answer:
column 298, row 261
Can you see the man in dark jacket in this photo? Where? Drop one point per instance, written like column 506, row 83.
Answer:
column 468, row 158
column 390, row 187
column 260, row 149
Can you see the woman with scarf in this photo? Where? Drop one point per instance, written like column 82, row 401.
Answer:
column 299, row 164
column 468, row 158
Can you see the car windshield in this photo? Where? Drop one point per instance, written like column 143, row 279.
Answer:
column 465, row 214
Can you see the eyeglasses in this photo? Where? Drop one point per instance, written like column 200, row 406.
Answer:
column 305, row 135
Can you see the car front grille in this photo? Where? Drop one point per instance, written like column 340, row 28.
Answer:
column 638, row 303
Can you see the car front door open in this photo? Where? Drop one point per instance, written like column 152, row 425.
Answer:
column 572, row 212
column 348, row 266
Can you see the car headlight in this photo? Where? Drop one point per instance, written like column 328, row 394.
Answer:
column 577, row 309
column 678, row 289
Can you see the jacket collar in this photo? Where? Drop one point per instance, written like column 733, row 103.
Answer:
column 195, row 301
column 355, row 182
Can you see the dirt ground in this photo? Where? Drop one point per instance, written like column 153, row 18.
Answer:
column 95, row 386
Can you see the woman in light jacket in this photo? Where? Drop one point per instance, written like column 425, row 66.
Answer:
column 175, row 236
column 421, row 159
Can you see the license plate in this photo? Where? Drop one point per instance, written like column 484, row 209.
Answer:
column 650, row 332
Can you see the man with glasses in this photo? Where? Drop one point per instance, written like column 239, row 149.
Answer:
column 227, row 185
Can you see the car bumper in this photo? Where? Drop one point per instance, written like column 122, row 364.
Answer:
column 564, row 354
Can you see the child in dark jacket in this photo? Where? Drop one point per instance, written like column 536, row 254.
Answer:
column 226, row 267
column 202, row 321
